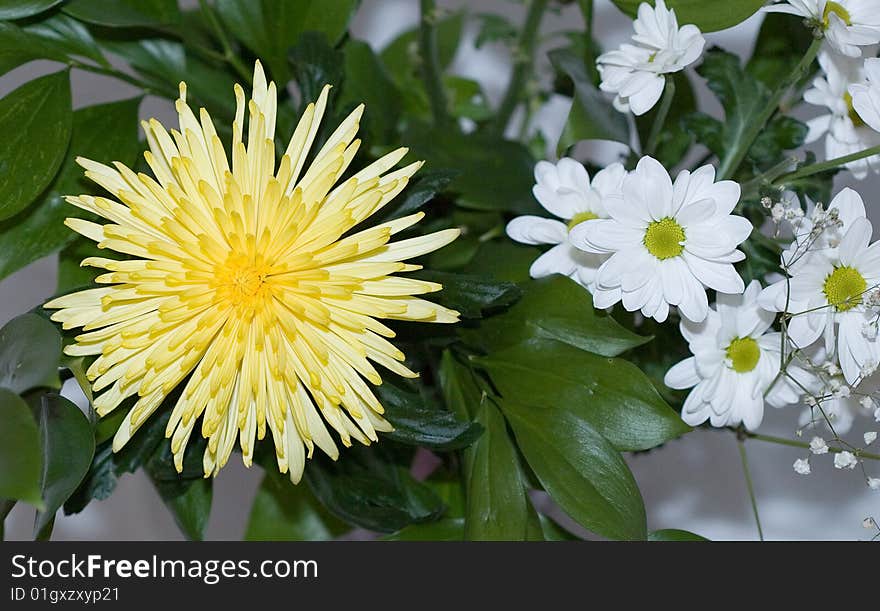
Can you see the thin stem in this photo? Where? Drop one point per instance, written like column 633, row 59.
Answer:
column 731, row 162
column 800, row 444
column 524, row 53
column 228, row 53
column 662, row 114
column 431, row 64
column 122, row 76
column 831, row 164
column 587, row 11
column 751, row 488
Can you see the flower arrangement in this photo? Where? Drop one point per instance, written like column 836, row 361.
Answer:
column 250, row 284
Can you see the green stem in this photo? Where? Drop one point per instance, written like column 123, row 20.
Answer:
column 662, row 114
column 431, row 64
column 587, row 11
column 751, row 488
column 831, row 164
column 524, row 53
column 228, row 53
column 800, row 444
column 734, row 158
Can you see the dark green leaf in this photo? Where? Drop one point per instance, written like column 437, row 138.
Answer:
column 708, row 15
column 707, row 130
column 674, row 140
column 104, row 133
column 494, row 28
column 460, row 391
column 35, row 120
column 471, row 295
column 497, row 504
column 285, row 512
column 592, row 117
column 555, row 308
column 502, row 259
column 125, row 13
column 270, row 27
column 401, row 58
column 367, row 82
column 30, row 348
column 418, row 423
column 189, row 501
column 18, row 9
column 19, row 451
column 781, row 44
column 580, row 470
column 67, row 447
column 447, row 529
column 315, row 64
column 68, row 36
column 612, row 395
column 426, row 185
column 18, row 47
column 71, row 274
column 672, row 534
column 365, row 489
column 780, row 135
column 467, row 99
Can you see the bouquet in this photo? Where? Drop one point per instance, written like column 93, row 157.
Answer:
column 417, row 314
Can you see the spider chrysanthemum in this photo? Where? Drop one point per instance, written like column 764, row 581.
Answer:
column 248, row 279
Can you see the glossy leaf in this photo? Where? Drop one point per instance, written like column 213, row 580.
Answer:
column 471, row 295
column 416, row 422
column 502, row 259
column 35, row 121
column 592, row 117
column 103, row 133
column 18, row 9
column 782, row 43
column 30, row 349
column 780, row 135
column 422, row 189
column 672, row 534
column 368, row 82
column 580, row 470
column 67, row 446
column 460, row 392
column 285, row 512
column 497, row 505
column 556, row 308
column 612, row 395
column 19, row 451
column 125, row 13
column 189, row 502
column 708, row 15
column 447, row 529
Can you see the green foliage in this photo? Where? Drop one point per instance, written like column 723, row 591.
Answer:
column 781, row 44
column 674, row 140
column 672, row 534
column 18, row 9
column 708, row 15
column 30, row 349
column 125, row 13
column 20, row 460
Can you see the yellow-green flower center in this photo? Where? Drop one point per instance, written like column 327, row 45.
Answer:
column 853, row 115
column 834, row 7
column 844, row 288
column 581, row 217
column 664, row 238
column 743, row 353
column 653, row 57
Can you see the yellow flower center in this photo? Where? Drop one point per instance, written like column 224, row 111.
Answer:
column 652, row 57
column 837, row 9
column 581, row 217
column 744, row 354
column 664, row 238
column 853, row 115
column 844, row 288
column 243, row 281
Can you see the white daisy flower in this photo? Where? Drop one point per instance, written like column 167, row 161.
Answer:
column 846, row 24
column 667, row 242
column 844, row 130
column 565, row 191
column 827, row 296
column 866, row 94
column 635, row 72
column 735, row 367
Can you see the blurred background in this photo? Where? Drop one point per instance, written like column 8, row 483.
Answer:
column 696, row 483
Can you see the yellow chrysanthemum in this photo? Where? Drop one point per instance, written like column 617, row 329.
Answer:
column 241, row 279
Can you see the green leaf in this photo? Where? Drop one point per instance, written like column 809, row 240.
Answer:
column 494, row 28
column 18, row 9
column 426, row 185
column 495, row 174
column 125, row 13
column 497, row 504
column 471, row 295
column 416, row 422
column 672, row 534
column 708, row 15
column 19, row 451
column 592, row 116
column 460, row 392
column 780, row 135
column 466, row 98
column 18, row 47
column 67, row 447
column 30, row 348
column 674, row 140
column 285, row 512
column 71, row 274
column 365, row 489
column 612, row 395
column 35, row 120
column 579, row 469
column 502, row 259
column 104, row 133
column 368, row 82
column 315, row 64
column 270, row 27
column 189, row 501
column 555, row 308
column 447, row 529
column 782, row 43
column 401, row 59
column 57, row 38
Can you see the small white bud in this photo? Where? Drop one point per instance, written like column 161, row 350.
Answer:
column 866, row 402
column 874, row 483
column 818, row 446
column 845, row 460
column 870, row 437
column 802, row 466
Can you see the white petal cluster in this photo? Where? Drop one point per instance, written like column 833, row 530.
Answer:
column 848, row 25
column 865, row 94
column 635, row 72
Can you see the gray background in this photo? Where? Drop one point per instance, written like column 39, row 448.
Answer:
column 695, row 483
